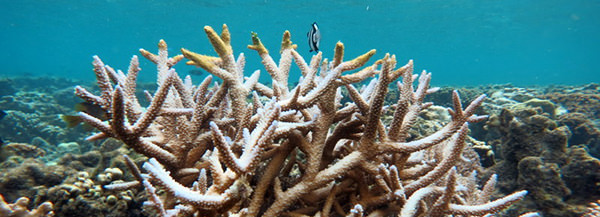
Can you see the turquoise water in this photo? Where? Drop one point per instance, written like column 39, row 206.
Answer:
column 462, row 42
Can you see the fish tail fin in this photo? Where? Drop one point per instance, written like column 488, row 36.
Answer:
column 71, row 120
column 81, row 106
column 87, row 127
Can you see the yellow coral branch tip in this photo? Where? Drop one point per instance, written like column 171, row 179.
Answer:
column 257, row 45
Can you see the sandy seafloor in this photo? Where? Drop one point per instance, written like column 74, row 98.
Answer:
column 545, row 139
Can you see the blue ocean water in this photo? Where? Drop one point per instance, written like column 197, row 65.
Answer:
column 463, row 42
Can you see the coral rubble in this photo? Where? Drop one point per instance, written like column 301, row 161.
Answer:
column 226, row 150
column 33, row 107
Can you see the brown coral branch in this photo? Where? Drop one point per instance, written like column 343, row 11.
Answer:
column 218, row 151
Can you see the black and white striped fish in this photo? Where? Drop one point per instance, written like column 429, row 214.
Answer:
column 314, row 38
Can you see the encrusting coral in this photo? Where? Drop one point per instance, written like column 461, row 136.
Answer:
column 225, row 151
column 534, row 152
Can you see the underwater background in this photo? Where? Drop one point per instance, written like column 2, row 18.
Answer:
column 537, row 61
column 463, row 42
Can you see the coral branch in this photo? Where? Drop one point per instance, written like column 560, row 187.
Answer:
column 244, row 148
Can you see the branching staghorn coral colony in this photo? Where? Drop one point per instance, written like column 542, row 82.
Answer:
column 242, row 148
